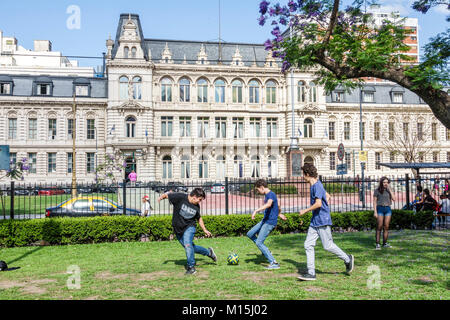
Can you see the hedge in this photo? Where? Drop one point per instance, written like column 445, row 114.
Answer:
column 62, row 231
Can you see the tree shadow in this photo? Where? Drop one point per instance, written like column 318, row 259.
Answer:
column 24, row 255
column 302, row 268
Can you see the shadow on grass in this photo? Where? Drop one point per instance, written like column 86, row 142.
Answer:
column 24, row 255
column 423, row 282
column 183, row 262
column 411, row 246
column 258, row 260
column 302, row 268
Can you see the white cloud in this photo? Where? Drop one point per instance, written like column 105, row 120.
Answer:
column 401, row 6
column 441, row 9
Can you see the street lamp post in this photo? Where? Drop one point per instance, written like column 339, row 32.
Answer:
column 96, row 155
column 362, row 148
column 74, row 152
column 294, row 143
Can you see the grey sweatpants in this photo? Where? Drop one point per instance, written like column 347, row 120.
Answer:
column 324, row 233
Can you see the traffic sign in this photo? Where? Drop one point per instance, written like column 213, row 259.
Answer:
column 341, row 152
column 341, row 169
column 4, row 157
column 363, row 156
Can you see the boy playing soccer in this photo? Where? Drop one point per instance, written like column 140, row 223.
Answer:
column 186, row 213
column 320, row 226
column 268, row 223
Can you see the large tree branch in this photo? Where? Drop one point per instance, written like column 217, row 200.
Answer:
column 437, row 100
column 333, row 20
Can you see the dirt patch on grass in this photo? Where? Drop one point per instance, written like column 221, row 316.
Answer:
column 28, row 287
column 256, row 277
column 259, row 277
column 106, row 275
column 315, row 289
column 153, row 275
column 425, row 280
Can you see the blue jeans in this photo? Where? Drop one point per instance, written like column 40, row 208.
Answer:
column 187, row 241
column 263, row 230
column 384, row 211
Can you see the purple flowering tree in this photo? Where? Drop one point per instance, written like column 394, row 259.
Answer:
column 108, row 170
column 16, row 171
column 344, row 45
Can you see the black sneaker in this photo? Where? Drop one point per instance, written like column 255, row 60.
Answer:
column 190, row 271
column 307, row 277
column 212, row 255
column 186, row 267
column 351, row 264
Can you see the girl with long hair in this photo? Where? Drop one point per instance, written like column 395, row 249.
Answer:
column 382, row 201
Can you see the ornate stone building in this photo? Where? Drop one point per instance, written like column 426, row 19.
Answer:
column 178, row 110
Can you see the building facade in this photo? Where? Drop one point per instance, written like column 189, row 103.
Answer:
column 179, row 110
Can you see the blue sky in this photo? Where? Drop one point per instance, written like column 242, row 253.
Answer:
column 173, row 19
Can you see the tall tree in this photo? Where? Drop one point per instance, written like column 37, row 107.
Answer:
column 349, row 46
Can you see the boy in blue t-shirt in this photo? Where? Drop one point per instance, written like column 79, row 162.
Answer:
column 268, row 223
column 320, row 226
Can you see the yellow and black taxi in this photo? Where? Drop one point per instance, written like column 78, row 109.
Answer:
column 88, row 207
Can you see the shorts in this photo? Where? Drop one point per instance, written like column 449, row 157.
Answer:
column 384, row 211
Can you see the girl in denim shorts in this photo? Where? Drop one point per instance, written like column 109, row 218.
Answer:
column 382, row 201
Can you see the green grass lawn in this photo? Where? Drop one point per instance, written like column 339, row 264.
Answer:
column 415, row 268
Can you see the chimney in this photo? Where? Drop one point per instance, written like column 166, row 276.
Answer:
column 42, row 46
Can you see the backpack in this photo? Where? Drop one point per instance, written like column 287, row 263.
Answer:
column 3, row 266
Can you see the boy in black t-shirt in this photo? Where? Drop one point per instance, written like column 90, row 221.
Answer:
column 186, row 213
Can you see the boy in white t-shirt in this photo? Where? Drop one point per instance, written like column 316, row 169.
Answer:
column 146, row 207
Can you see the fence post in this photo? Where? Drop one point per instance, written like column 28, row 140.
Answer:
column 11, row 209
column 407, row 190
column 124, row 195
column 226, row 196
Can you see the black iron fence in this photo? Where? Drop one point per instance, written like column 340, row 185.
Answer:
column 229, row 196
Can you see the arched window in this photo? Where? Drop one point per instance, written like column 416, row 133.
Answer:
column 133, row 52
column 123, row 88
column 185, row 167
column 237, row 91
column 271, row 92
column 312, row 92
column 185, row 90
column 220, row 167
column 253, row 91
column 256, row 167
column 220, row 91
column 166, row 90
column 272, row 167
column 203, row 167
column 167, row 167
column 238, row 167
column 126, row 52
column 301, row 91
column 130, row 127
column 137, row 88
column 202, row 90
column 308, row 128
